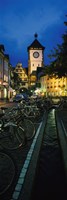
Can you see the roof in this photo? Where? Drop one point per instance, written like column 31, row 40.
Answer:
column 36, row 44
column 2, row 47
column 6, row 56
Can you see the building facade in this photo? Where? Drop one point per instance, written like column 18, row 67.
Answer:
column 22, row 73
column 52, row 86
column 4, row 73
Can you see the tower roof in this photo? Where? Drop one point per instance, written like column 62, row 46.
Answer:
column 36, row 44
column 2, row 48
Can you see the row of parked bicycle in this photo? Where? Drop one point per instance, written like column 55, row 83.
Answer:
column 17, row 124
column 17, row 127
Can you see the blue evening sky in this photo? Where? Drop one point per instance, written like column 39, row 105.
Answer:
column 21, row 19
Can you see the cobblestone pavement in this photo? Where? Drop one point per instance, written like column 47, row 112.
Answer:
column 6, row 104
column 18, row 156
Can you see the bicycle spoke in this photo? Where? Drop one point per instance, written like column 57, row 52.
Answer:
column 20, row 135
column 30, row 129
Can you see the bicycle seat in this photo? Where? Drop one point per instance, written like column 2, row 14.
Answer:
column 9, row 124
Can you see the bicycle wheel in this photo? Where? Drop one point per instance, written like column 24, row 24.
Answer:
column 29, row 128
column 35, row 118
column 14, row 138
column 7, row 172
column 38, row 118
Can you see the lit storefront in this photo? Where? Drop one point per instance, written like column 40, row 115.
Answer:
column 54, row 86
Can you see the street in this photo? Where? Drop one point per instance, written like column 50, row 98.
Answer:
column 7, row 104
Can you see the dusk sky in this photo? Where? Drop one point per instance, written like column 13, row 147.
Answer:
column 21, row 19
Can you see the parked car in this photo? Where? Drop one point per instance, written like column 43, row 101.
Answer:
column 26, row 96
column 18, row 98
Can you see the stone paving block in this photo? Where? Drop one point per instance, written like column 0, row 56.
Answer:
column 18, row 187
column 15, row 195
column 20, row 180
column 23, row 170
column 26, row 164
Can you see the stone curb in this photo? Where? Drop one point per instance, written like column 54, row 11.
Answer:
column 63, row 141
column 26, row 179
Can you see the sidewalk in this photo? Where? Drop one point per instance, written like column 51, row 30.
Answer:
column 2, row 102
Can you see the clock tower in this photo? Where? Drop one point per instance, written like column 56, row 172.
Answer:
column 35, row 56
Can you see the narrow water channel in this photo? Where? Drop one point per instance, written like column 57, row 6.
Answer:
column 50, row 182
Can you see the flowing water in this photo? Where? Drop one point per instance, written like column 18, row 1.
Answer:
column 50, row 182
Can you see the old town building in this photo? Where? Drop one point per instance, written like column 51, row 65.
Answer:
column 34, row 75
column 35, row 59
column 22, row 73
column 52, row 86
column 4, row 73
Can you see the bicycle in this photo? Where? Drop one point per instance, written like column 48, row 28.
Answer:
column 12, row 136
column 25, row 123
column 16, row 130
column 32, row 112
column 19, row 118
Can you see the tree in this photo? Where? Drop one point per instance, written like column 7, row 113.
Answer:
column 59, row 66
column 15, row 80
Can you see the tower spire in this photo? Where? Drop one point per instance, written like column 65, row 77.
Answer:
column 35, row 35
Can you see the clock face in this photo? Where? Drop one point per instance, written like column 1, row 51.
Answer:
column 36, row 54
